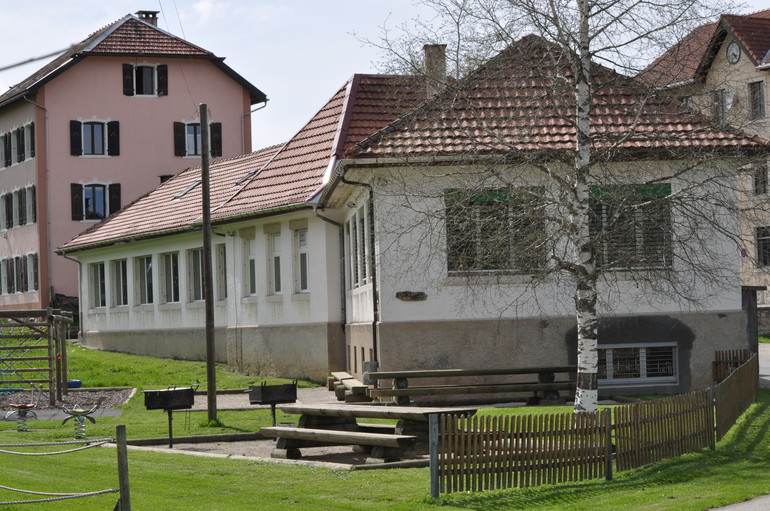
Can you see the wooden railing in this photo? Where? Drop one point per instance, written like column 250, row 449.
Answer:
column 495, row 452
column 727, row 361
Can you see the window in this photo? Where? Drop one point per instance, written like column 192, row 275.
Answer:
column 760, row 179
column 494, row 230
column 20, row 144
column 721, row 103
column 763, row 246
column 18, row 208
column 195, row 280
column 95, row 138
column 94, row 201
column 252, row 267
column 145, row 80
column 302, row 273
column 631, row 226
column 32, row 264
column 274, row 265
column 22, row 280
column 170, row 277
column 143, row 270
column 187, row 139
column 757, row 100
column 357, row 233
column 119, row 283
column 641, row 363
column 98, row 289
column 221, row 271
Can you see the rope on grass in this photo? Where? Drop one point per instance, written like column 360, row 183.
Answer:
column 53, row 496
column 89, row 444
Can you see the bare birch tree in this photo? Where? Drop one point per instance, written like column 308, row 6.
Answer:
column 594, row 218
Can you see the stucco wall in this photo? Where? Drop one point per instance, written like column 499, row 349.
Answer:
column 548, row 342
column 179, row 343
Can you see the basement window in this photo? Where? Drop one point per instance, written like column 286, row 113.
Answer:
column 638, row 363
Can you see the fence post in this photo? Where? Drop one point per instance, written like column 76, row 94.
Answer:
column 433, row 434
column 608, row 424
column 125, row 493
column 712, row 404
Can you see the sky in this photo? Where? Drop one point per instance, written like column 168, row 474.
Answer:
column 298, row 52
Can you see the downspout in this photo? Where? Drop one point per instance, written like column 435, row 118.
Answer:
column 243, row 125
column 341, row 228
column 375, row 293
column 46, row 228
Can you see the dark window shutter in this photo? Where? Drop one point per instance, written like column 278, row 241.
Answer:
column 33, row 203
column 20, row 145
column 216, row 139
column 113, row 138
column 35, row 273
column 8, row 210
column 113, row 193
column 128, row 79
column 22, row 207
column 76, row 194
column 32, row 140
column 162, row 80
column 180, row 148
column 76, row 138
column 8, row 157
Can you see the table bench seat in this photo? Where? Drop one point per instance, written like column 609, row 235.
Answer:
column 335, row 437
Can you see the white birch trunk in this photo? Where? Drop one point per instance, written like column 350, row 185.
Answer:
column 586, row 396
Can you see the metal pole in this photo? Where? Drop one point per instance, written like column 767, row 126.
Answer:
column 433, row 431
column 170, row 430
column 125, row 493
column 208, row 280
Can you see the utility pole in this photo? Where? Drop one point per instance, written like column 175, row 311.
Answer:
column 208, row 280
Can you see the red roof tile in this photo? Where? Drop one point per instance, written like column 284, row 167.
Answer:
column 273, row 179
column 127, row 36
column 515, row 103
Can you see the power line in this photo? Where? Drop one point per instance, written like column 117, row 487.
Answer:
column 34, row 59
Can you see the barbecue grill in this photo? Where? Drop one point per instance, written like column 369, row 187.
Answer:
column 170, row 399
column 272, row 395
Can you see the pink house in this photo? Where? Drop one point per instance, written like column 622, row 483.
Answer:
column 101, row 125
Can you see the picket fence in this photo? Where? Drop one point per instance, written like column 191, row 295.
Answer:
column 514, row 451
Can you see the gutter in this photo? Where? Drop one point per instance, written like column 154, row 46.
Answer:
column 80, row 293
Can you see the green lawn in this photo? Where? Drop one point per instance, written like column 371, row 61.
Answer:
column 737, row 470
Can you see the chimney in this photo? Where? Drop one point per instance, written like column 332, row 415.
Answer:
column 435, row 67
column 150, row 17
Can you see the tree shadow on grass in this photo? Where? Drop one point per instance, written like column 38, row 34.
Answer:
column 743, row 455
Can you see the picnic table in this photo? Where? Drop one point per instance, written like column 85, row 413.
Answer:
column 337, row 424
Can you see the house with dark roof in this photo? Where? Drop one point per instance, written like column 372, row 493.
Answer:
column 100, row 125
column 373, row 238
column 722, row 70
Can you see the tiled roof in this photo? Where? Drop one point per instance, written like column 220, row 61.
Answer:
column 515, row 105
column 692, row 56
column 278, row 178
column 127, row 36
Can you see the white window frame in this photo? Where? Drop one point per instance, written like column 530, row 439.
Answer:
column 301, row 261
column 195, row 290
column 169, row 277
column 193, row 143
column 33, row 272
column 93, row 122
column 144, row 286
column 221, row 271
column 643, row 379
column 119, row 282
column 98, row 284
column 154, row 68
column 275, row 282
column 358, row 247
column 251, row 284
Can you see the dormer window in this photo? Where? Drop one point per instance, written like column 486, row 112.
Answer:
column 145, row 79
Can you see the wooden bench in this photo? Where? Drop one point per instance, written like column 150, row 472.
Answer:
column 336, row 424
column 347, row 388
column 546, row 386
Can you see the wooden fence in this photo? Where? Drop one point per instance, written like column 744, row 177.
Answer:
column 735, row 394
column 497, row 452
column 727, row 361
column 664, row 428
